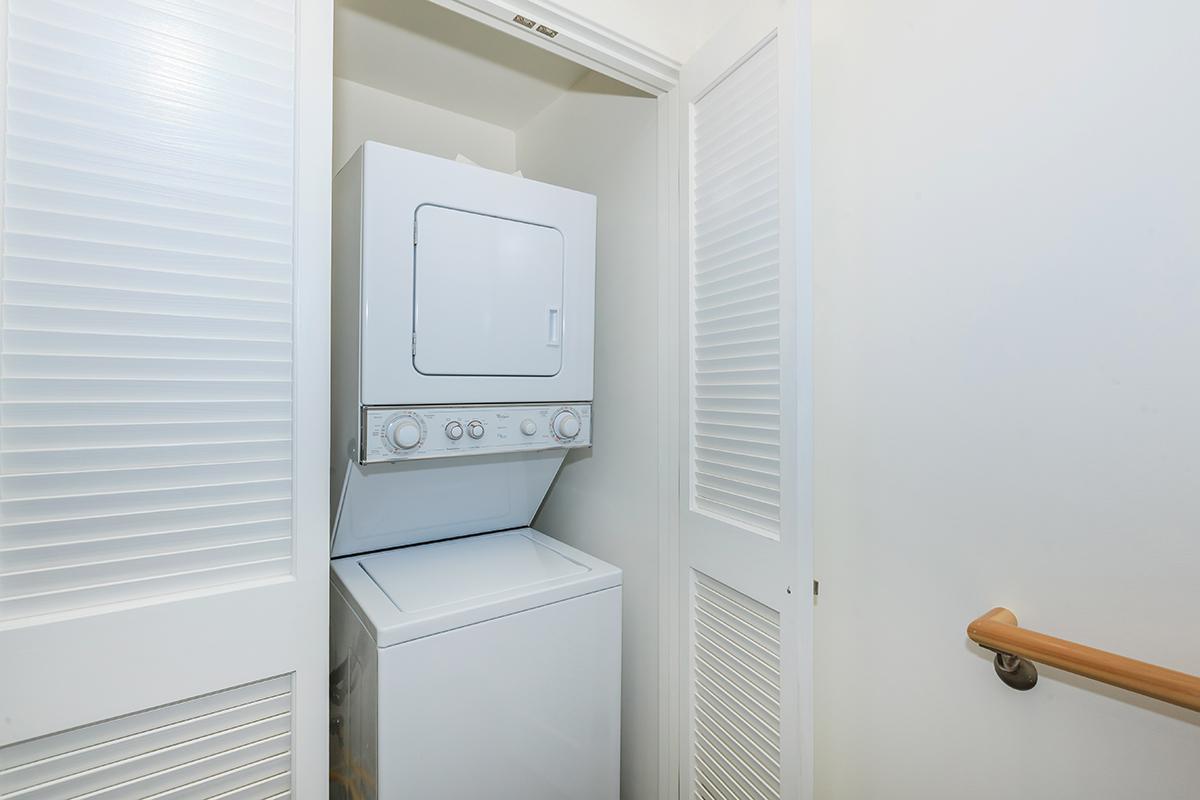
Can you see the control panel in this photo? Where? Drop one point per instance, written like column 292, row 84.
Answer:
column 405, row 433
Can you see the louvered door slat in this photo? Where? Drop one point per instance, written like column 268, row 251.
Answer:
column 254, row 513
column 67, row 554
column 735, row 302
column 146, row 327
column 231, row 785
column 143, row 586
column 33, row 438
column 760, row 466
column 27, row 342
column 735, row 694
column 236, row 741
column 741, row 275
column 741, row 727
column 174, row 454
column 735, row 294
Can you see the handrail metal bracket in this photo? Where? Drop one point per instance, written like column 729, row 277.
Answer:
column 1015, row 671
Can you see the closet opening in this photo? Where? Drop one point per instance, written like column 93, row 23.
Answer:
column 415, row 75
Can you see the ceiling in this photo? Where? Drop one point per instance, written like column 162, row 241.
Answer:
column 422, row 51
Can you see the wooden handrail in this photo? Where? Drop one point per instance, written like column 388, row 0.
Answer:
column 997, row 630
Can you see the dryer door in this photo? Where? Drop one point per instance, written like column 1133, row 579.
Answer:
column 487, row 295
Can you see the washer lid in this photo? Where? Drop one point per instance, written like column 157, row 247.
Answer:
column 421, row 590
column 460, row 570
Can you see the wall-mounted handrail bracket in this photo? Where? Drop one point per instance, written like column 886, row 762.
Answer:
column 1015, row 671
column 1017, row 648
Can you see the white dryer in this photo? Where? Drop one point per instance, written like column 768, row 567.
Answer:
column 471, row 656
column 468, row 285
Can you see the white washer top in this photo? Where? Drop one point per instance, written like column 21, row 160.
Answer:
column 416, row 591
column 472, row 568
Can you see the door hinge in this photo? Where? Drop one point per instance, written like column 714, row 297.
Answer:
column 414, row 344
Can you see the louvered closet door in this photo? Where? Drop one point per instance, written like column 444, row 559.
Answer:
column 745, row 602
column 163, row 413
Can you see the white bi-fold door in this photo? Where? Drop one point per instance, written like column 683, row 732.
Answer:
column 745, row 543
column 163, row 398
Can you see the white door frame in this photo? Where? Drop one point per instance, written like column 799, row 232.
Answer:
column 669, row 276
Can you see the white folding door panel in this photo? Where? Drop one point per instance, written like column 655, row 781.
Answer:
column 745, row 540
column 163, row 397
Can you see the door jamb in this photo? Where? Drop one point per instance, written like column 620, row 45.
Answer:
column 668, row 443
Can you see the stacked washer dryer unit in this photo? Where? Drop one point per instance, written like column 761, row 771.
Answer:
column 471, row 656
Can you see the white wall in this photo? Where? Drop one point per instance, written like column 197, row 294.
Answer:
column 1008, row 378
column 362, row 112
column 599, row 140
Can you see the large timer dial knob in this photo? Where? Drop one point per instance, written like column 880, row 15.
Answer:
column 404, row 432
column 566, row 424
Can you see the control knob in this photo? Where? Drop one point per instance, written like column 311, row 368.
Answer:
column 566, row 425
column 528, row 427
column 454, row 430
column 404, row 432
column 475, row 429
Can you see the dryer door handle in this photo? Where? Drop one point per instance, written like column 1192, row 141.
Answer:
column 554, row 337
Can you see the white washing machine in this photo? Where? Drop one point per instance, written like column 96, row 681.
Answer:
column 471, row 656
column 482, row 667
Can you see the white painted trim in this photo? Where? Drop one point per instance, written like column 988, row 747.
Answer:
column 577, row 39
column 668, row 443
column 801, row 67
column 313, row 148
